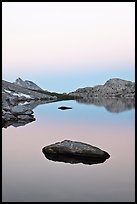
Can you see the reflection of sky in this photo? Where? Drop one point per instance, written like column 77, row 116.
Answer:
column 29, row 176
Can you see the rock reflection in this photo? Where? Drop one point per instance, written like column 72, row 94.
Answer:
column 74, row 159
column 33, row 104
column 114, row 105
column 16, row 123
column 22, row 120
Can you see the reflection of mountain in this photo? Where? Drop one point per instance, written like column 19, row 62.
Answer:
column 111, row 104
column 15, row 123
column 74, row 159
column 33, row 104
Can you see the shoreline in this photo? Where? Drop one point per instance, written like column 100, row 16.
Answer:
column 21, row 97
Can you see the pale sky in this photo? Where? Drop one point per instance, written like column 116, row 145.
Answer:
column 62, row 36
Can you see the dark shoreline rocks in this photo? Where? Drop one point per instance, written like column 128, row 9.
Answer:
column 12, row 115
column 18, row 100
column 75, row 152
column 17, row 122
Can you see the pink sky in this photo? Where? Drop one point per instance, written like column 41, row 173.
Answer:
column 54, row 36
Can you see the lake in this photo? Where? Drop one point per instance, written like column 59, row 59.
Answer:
column 28, row 176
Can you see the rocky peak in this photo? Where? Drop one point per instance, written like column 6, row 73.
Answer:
column 114, row 87
column 26, row 84
column 118, row 82
column 18, row 81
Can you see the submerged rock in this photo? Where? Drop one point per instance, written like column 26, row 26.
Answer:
column 64, row 108
column 75, row 152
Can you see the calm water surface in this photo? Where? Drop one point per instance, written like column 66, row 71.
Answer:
column 28, row 176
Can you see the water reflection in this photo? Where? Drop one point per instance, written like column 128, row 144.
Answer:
column 115, row 105
column 33, row 104
column 15, row 123
column 66, row 182
column 74, row 159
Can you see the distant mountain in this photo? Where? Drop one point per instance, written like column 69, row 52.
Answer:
column 21, row 88
column 27, row 84
column 113, row 88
